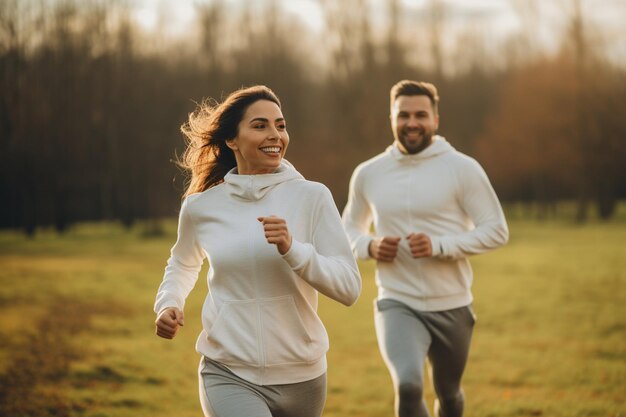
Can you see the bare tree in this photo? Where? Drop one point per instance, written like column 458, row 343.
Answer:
column 437, row 18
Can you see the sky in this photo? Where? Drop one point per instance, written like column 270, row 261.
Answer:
column 174, row 17
column 181, row 12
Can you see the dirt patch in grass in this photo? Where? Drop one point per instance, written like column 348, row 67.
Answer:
column 35, row 382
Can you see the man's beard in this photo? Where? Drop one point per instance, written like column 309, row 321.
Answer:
column 416, row 146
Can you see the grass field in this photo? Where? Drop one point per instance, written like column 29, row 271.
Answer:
column 77, row 333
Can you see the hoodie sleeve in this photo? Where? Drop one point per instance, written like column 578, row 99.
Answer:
column 183, row 265
column 357, row 217
column 327, row 264
column 479, row 201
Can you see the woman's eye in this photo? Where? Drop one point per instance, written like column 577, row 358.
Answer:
column 260, row 126
column 282, row 127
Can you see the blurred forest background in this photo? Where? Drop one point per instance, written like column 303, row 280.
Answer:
column 91, row 102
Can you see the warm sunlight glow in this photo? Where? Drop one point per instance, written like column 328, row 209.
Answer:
column 166, row 18
column 307, row 11
column 146, row 17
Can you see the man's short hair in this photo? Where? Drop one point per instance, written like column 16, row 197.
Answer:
column 415, row 88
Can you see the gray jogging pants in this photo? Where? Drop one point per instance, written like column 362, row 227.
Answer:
column 224, row 394
column 407, row 337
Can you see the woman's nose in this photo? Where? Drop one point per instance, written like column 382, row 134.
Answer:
column 274, row 134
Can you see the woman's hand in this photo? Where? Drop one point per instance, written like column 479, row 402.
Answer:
column 168, row 322
column 276, row 232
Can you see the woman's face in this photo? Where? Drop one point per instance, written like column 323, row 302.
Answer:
column 262, row 139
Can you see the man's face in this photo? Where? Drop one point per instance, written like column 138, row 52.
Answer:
column 413, row 122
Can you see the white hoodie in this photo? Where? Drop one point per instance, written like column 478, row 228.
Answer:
column 260, row 316
column 440, row 192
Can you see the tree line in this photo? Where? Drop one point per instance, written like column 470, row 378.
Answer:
column 91, row 105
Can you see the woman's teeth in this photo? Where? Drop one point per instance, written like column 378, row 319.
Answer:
column 271, row 149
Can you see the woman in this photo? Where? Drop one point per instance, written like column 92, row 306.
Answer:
column 273, row 240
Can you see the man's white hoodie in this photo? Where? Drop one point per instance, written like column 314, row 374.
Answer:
column 260, row 316
column 440, row 192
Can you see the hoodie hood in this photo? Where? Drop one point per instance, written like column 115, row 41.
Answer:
column 254, row 187
column 437, row 147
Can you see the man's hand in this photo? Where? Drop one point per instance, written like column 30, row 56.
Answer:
column 384, row 249
column 168, row 322
column 420, row 245
column 277, row 233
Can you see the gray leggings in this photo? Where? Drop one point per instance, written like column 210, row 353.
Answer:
column 224, row 394
column 406, row 337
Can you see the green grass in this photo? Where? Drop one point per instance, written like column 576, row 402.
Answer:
column 78, row 340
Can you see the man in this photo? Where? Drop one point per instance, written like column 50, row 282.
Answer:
column 432, row 207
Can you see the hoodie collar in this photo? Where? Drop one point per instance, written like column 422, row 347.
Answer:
column 255, row 187
column 437, row 147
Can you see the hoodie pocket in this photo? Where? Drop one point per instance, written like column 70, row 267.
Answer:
column 286, row 338
column 233, row 336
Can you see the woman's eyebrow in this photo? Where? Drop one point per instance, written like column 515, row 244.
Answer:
column 263, row 119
